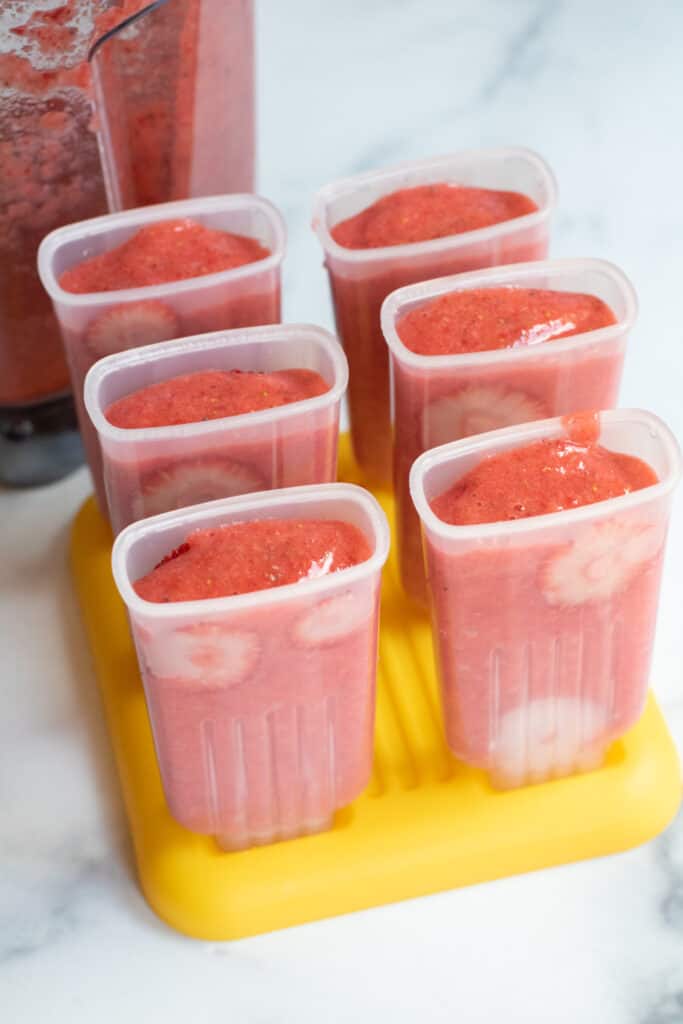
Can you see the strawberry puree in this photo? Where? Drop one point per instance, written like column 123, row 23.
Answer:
column 50, row 176
column 178, row 92
column 437, row 405
column 410, row 215
column 213, row 394
column 159, row 253
column 545, row 477
column 482, row 319
column 243, row 557
column 544, row 638
column 429, row 211
column 172, row 139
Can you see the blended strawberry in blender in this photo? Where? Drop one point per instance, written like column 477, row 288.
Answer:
column 543, row 637
column 263, row 722
column 50, row 175
column 175, row 99
column 407, row 216
column 457, row 404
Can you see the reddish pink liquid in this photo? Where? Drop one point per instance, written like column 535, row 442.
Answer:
column 242, row 557
column 549, row 476
column 358, row 298
column 429, row 211
column 455, row 403
column 485, row 319
column 50, row 176
column 173, row 250
column 544, row 647
column 213, row 394
column 263, row 721
column 184, row 84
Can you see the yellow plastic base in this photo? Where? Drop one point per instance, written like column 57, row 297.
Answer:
column 425, row 823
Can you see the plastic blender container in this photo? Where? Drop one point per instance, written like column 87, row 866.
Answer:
column 241, row 297
column 174, row 92
column 156, row 469
column 544, row 627
column 360, row 279
column 261, row 704
column 436, row 399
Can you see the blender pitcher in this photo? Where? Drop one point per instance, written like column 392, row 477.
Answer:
column 104, row 104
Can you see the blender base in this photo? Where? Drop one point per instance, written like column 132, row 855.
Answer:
column 39, row 443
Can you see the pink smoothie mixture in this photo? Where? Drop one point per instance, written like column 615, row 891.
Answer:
column 263, row 718
column 173, row 250
column 434, row 406
column 429, row 211
column 549, row 476
column 410, row 215
column 51, row 175
column 243, row 557
column 483, row 319
column 544, row 641
column 213, row 394
column 178, row 90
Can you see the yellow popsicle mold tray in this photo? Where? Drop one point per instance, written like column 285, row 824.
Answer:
column 424, row 824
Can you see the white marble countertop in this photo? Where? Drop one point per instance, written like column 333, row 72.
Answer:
column 345, row 87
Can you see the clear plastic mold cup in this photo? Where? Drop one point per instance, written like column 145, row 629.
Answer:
column 152, row 470
column 98, row 324
column 544, row 627
column 436, row 399
column 360, row 279
column 262, row 704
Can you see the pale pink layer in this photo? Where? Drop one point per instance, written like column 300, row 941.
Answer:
column 544, row 651
column 273, row 752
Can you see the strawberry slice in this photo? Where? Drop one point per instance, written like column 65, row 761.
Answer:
column 476, row 410
column 548, row 737
column 335, row 619
column 180, row 484
column 206, row 653
column 131, row 325
column 604, row 558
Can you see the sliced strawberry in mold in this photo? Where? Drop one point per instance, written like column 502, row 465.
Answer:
column 334, row 619
column 181, row 484
column 549, row 736
column 602, row 560
column 204, row 653
column 131, row 325
column 476, row 410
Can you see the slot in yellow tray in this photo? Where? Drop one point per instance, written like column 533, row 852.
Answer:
column 425, row 823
